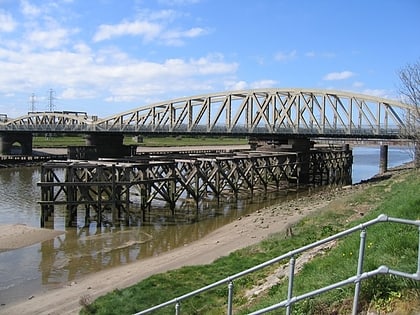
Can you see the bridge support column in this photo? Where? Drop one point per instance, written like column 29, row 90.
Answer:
column 383, row 159
column 24, row 139
column 108, row 145
column 302, row 147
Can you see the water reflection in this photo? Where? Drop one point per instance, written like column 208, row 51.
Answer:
column 366, row 160
column 84, row 250
column 89, row 249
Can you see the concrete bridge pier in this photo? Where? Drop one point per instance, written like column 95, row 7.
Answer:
column 7, row 140
column 301, row 146
column 108, row 144
column 383, row 159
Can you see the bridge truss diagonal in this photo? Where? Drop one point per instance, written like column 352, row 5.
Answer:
column 261, row 112
column 269, row 112
column 64, row 121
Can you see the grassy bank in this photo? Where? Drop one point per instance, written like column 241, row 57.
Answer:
column 392, row 245
column 64, row 141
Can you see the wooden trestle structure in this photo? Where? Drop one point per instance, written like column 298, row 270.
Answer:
column 107, row 188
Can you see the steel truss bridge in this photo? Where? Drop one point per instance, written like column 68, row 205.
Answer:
column 261, row 112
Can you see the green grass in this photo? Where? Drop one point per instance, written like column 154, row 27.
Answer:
column 186, row 141
column 77, row 140
column 390, row 244
column 57, row 142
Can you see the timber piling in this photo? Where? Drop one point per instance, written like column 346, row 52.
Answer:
column 108, row 190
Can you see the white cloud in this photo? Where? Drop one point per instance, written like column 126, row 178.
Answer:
column 81, row 73
column 49, row 39
column 313, row 54
column 175, row 38
column 334, row 76
column 263, row 84
column 152, row 26
column 166, row 16
column 310, row 54
column 143, row 28
column 358, row 84
column 7, row 23
column 236, row 85
column 79, row 93
column 48, row 54
column 212, row 64
column 243, row 85
column 178, row 2
column 29, row 9
column 286, row 56
column 376, row 92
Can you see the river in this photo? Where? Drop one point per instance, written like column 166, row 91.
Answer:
column 80, row 251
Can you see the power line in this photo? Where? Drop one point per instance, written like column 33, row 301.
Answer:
column 51, row 98
column 32, row 102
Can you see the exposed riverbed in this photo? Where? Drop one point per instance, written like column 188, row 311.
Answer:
column 81, row 251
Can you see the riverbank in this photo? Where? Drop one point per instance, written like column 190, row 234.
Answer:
column 243, row 232
column 14, row 236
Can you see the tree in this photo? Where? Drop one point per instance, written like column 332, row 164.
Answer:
column 410, row 91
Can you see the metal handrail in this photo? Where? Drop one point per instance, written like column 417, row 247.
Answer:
column 360, row 275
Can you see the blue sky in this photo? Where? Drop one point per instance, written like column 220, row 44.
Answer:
column 110, row 56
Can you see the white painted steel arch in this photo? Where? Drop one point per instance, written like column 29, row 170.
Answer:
column 49, row 122
column 261, row 112
column 269, row 112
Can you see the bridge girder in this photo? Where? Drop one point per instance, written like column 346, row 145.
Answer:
column 48, row 122
column 261, row 112
column 270, row 112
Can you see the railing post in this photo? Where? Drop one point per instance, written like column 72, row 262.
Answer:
column 359, row 271
column 418, row 256
column 230, row 298
column 177, row 308
column 290, row 287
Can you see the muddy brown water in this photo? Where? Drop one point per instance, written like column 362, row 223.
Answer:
column 84, row 250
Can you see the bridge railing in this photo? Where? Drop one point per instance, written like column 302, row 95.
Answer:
column 292, row 299
column 315, row 129
column 364, row 131
column 49, row 128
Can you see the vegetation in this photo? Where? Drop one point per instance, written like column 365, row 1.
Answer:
column 57, row 141
column 395, row 246
column 78, row 140
column 173, row 141
column 410, row 92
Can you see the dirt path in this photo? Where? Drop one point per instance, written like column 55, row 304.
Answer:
column 241, row 233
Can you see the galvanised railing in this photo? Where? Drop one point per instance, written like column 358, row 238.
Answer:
column 290, row 300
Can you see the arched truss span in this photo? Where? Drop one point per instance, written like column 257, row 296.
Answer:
column 269, row 112
column 262, row 112
column 51, row 122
